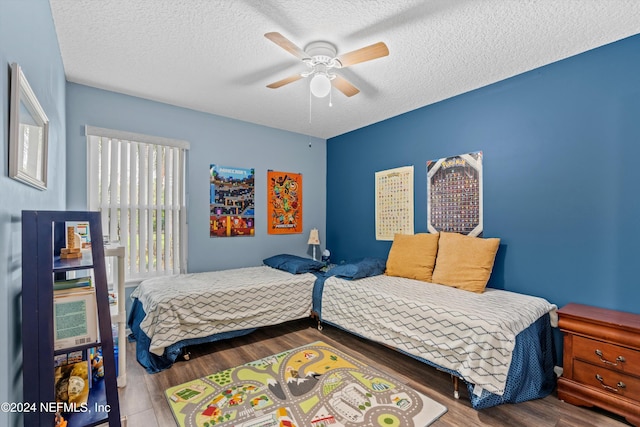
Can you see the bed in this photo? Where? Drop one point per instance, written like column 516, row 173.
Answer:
column 172, row 312
column 432, row 303
column 500, row 343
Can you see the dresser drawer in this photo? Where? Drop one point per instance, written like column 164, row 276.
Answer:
column 606, row 380
column 607, row 355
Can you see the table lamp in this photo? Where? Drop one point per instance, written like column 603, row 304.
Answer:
column 314, row 240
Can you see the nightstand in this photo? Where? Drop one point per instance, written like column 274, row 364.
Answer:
column 601, row 359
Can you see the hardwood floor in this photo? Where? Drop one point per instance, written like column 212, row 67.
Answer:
column 143, row 402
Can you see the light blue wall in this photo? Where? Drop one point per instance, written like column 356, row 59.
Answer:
column 561, row 147
column 213, row 139
column 27, row 36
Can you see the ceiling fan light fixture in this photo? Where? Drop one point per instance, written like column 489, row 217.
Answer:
column 320, row 57
column 320, row 85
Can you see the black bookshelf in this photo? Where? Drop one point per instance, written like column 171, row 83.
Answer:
column 43, row 235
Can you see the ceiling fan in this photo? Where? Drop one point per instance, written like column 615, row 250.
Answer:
column 320, row 57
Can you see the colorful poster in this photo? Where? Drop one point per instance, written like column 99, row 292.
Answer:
column 454, row 194
column 284, row 202
column 394, row 202
column 231, row 201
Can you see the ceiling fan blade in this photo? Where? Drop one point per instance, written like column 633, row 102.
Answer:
column 344, row 86
column 286, row 44
column 284, row 81
column 374, row 51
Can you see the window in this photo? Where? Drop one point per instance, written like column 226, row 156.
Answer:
column 137, row 183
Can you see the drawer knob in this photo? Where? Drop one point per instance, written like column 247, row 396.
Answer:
column 619, row 359
column 607, row 387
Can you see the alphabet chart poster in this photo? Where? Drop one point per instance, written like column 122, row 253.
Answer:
column 394, row 202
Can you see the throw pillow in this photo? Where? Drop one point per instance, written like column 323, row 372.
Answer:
column 293, row 264
column 465, row 262
column 365, row 267
column 413, row 256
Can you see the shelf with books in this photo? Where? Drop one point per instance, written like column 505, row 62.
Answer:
column 74, row 317
column 69, row 285
column 62, row 265
column 65, row 318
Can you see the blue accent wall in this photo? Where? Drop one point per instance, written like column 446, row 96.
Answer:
column 27, row 36
column 213, row 139
column 561, row 145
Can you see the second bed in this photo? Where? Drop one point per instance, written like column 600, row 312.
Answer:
column 172, row 312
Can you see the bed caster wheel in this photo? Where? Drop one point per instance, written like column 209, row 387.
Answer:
column 456, row 395
column 187, row 356
column 320, row 327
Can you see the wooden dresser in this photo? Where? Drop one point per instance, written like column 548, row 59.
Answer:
column 601, row 359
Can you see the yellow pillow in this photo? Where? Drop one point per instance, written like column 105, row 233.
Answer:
column 465, row 262
column 413, row 256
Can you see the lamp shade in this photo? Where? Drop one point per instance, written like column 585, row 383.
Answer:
column 320, row 85
column 314, row 238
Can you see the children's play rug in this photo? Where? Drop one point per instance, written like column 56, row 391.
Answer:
column 315, row 385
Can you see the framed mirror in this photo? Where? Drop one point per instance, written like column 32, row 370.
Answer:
column 28, row 133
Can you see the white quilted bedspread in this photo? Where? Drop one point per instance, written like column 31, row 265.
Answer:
column 472, row 334
column 202, row 304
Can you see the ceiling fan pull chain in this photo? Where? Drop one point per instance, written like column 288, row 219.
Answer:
column 330, row 93
column 310, row 106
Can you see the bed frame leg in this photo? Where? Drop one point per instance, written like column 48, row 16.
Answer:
column 314, row 316
column 456, row 387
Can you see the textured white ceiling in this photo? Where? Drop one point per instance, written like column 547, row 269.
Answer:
column 212, row 56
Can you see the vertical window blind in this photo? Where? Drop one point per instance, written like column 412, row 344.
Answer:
column 137, row 182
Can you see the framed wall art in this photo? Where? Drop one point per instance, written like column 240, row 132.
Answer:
column 28, row 133
column 394, row 202
column 231, row 201
column 284, row 202
column 454, row 194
